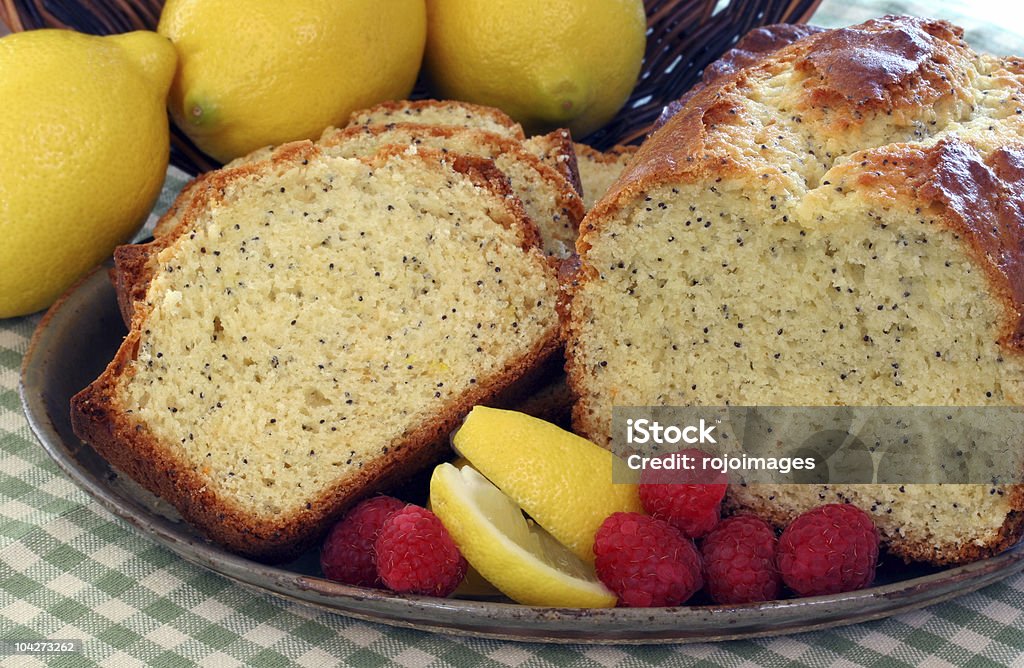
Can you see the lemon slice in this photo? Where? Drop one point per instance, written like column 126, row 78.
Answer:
column 561, row 480
column 509, row 551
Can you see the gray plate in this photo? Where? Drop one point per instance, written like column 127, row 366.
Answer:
column 79, row 336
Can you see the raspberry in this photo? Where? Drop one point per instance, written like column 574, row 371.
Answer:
column 347, row 553
column 739, row 561
column 689, row 500
column 828, row 550
column 646, row 561
column 416, row 555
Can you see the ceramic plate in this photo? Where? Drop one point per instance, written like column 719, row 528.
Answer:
column 78, row 337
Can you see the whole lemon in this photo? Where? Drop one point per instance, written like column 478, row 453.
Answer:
column 267, row 72
column 546, row 63
column 83, row 153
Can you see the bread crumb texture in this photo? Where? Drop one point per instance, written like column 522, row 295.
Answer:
column 838, row 224
column 312, row 315
column 548, row 198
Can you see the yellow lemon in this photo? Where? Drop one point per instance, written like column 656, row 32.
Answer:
column 83, row 153
column 563, row 481
column 546, row 63
column 267, row 72
column 509, row 551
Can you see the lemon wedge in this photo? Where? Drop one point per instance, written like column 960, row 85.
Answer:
column 509, row 551
column 561, row 480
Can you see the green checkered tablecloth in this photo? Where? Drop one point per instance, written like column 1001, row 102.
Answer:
column 69, row 570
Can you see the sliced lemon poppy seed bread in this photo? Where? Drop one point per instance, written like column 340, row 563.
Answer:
column 837, row 224
column 461, row 127
column 315, row 329
column 550, row 201
column 555, row 148
column 438, row 113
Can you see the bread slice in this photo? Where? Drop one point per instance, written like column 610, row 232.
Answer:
column 317, row 327
column 556, row 149
column 837, row 224
column 445, row 113
column 549, row 200
column 599, row 170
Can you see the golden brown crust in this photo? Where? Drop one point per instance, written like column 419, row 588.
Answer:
column 129, row 269
column 757, row 45
column 881, row 64
column 913, row 60
column 130, row 447
column 752, row 48
column 568, row 278
column 411, row 108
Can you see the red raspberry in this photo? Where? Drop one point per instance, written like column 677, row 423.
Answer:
column 828, row 550
column 689, row 500
column 739, row 561
column 416, row 555
column 347, row 553
column 646, row 561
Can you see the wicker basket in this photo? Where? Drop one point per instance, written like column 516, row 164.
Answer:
column 683, row 37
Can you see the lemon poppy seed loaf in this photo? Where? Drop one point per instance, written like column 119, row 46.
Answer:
column 316, row 327
column 837, row 224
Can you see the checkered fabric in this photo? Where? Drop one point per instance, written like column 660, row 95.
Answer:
column 70, row 570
